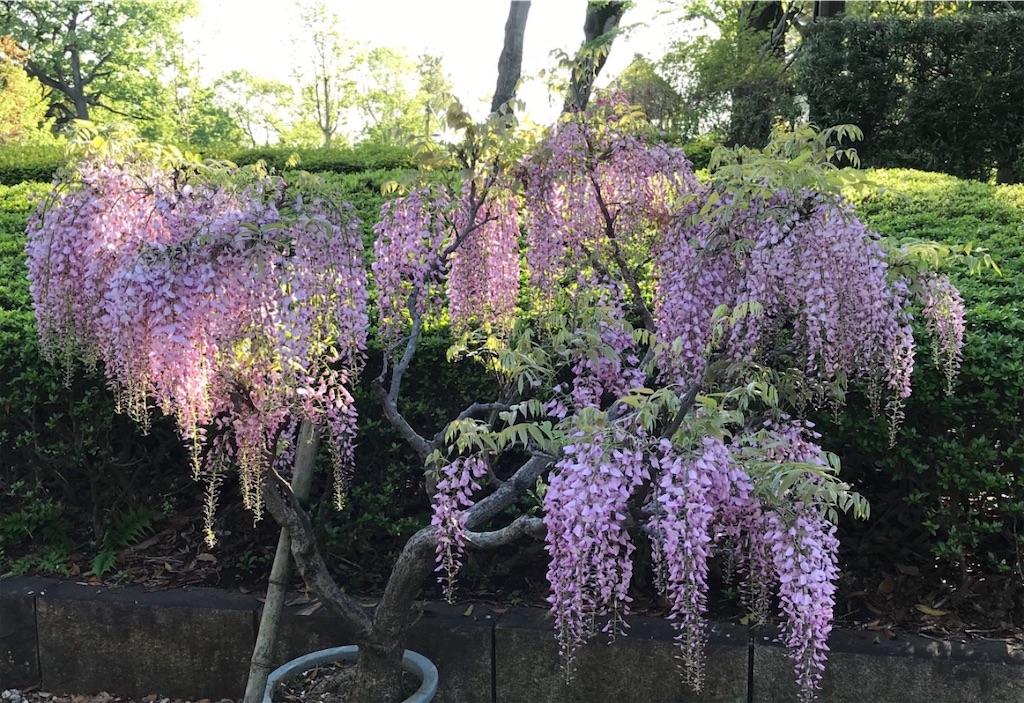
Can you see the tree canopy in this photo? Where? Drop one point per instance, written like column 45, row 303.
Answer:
column 97, row 58
column 23, row 101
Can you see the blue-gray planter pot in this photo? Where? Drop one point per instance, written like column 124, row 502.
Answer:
column 414, row 663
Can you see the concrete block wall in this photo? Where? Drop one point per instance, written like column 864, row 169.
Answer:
column 196, row 643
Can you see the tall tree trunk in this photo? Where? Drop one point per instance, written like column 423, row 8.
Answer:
column 601, row 18
column 824, row 9
column 510, row 62
column 77, row 82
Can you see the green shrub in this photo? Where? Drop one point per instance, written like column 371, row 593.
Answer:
column 29, row 163
column 941, row 94
column 953, row 486
column 38, row 163
column 360, row 158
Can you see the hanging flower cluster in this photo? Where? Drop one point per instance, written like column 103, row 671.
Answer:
column 408, row 268
column 483, row 283
column 596, row 194
column 460, row 480
column 943, row 312
column 585, row 510
column 697, row 499
column 237, row 307
column 803, row 266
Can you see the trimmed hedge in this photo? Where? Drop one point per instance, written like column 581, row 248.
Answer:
column 19, row 164
column 939, row 94
column 952, row 488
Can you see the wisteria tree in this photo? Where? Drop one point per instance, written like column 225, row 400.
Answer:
column 653, row 372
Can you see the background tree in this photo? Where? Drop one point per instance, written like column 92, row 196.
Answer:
column 736, row 83
column 434, row 94
column 641, row 84
column 600, row 27
column 510, row 61
column 259, row 106
column 23, row 100
column 107, row 56
column 384, row 100
column 193, row 116
column 326, row 80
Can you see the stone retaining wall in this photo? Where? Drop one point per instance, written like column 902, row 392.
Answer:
column 196, row 643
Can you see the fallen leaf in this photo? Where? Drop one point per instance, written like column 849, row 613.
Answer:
column 146, row 544
column 908, row 570
column 499, row 611
column 206, row 556
column 890, row 634
column 927, row 610
column 887, row 586
column 469, row 611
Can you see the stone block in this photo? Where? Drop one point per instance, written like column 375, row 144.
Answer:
column 19, row 651
column 866, row 666
column 461, row 646
column 193, row 643
column 638, row 668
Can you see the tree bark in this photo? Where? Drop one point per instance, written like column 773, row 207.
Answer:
column 601, row 18
column 77, row 94
column 824, row 9
column 510, row 62
column 262, row 656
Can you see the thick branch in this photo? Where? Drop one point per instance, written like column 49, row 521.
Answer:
column 509, row 493
column 419, row 444
column 601, row 18
column 392, row 616
column 520, row 527
column 285, row 509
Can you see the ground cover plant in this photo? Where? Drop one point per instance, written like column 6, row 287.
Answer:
column 649, row 382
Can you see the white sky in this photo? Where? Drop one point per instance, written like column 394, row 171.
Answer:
column 256, row 35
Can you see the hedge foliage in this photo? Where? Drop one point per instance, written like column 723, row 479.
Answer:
column 939, row 94
column 953, row 485
column 952, row 488
column 38, row 163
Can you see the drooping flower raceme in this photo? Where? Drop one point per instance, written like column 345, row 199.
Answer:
column 460, row 480
column 483, row 283
column 408, row 267
column 943, row 312
column 794, row 262
column 235, row 306
column 585, row 510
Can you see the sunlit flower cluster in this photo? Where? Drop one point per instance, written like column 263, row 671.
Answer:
column 483, row 283
column 243, row 304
